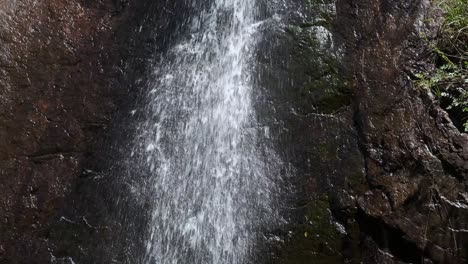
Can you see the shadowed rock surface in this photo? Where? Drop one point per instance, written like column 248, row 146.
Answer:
column 382, row 171
column 60, row 79
column 397, row 189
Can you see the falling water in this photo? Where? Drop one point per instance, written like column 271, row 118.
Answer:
column 209, row 181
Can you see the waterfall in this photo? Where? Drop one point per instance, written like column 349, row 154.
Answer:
column 211, row 190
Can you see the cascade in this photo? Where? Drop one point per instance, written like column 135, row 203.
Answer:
column 211, row 189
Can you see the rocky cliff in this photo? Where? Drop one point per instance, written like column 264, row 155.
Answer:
column 61, row 79
column 386, row 176
column 382, row 171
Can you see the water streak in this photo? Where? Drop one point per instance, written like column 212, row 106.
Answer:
column 211, row 190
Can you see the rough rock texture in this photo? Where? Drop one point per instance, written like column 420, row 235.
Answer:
column 104, row 219
column 402, row 198
column 416, row 161
column 59, row 84
column 381, row 170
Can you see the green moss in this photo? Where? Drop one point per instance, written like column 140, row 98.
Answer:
column 322, row 14
column 318, row 3
column 326, row 88
column 322, row 228
column 327, row 150
column 357, row 182
column 317, row 240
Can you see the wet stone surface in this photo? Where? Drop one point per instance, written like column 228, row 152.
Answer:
column 381, row 172
column 59, row 84
column 376, row 158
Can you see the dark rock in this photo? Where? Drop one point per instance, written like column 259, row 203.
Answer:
column 382, row 171
column 408, row 203
column 57, row 79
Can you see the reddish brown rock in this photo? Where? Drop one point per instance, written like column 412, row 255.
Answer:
column 57, row 93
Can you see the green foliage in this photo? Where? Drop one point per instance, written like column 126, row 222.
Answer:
column 449, row 82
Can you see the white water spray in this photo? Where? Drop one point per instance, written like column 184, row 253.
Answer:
column 211, row 188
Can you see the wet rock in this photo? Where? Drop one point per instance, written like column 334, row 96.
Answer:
column 413, row 152
column 382, row 171
column 105, row 216
column 375, row 204
column 404, row 195
column 342, row 204
column 57, row 79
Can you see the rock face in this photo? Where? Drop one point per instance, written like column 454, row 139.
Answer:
column 416, row 161
column 382, row 172
column 59, row 84
column 397, row 170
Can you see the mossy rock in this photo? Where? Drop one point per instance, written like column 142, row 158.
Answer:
column 317, row 239
column 325, row 87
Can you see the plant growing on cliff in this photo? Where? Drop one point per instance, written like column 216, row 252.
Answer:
column 449, row 82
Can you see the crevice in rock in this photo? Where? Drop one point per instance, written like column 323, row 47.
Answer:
column 389, row 238
column 450, row 169
column 358, row 122
column 39, row 157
